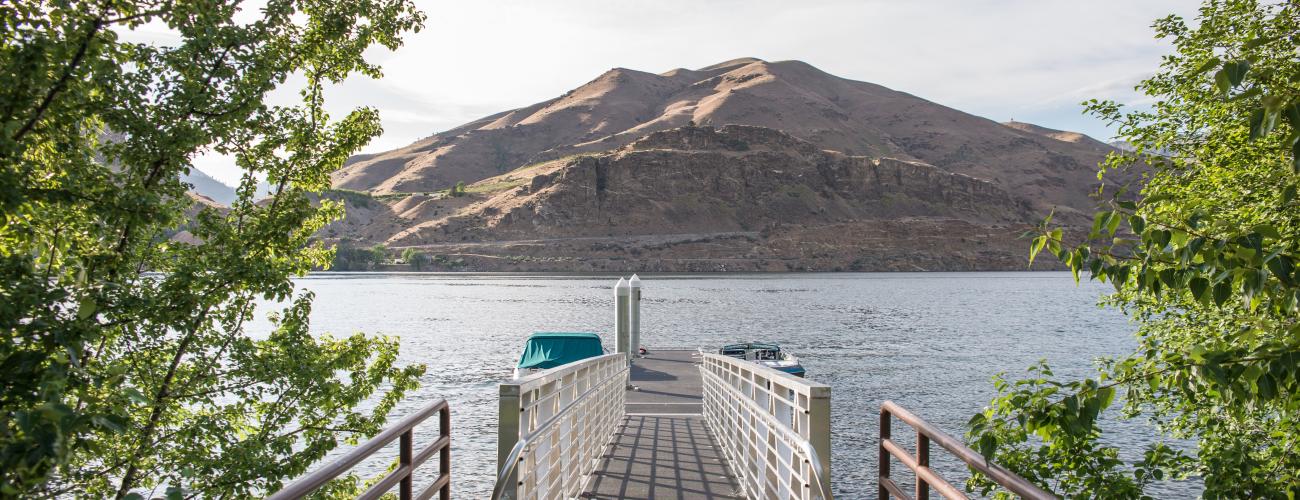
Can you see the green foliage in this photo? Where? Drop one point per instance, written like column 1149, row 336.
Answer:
column 126, row 365
column 352, row 258
column 416, row 258
column 1205, row 261
column 458, row 190
column 359, row 198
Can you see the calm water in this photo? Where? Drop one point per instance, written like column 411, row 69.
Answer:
column 929, row 341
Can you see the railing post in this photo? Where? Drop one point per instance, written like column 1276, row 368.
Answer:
column 819, row 430
column 882, row 459
column 444, row 456
column 922, row 460
column 404, row 462
column 509, row 417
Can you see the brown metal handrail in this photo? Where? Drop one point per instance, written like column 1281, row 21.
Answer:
column 407, row 460
column 926, row 478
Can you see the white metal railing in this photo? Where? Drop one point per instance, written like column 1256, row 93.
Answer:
column 773, row 427
column 555, row 425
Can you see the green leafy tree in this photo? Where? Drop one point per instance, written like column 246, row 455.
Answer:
column 378, row 253
column 1205, row 262
column 352, row 258
column 416, row 258
column 126, row 365
column 458, row 190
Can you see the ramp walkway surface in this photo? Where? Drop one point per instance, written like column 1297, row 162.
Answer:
column 664, row 449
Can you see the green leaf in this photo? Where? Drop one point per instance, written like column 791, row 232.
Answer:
column 1222, row 81
column 1237, row 71
column 1268, row 230
column 1112, row 223
column 1292, row 113
column 136, row 396
column 988, row 445
column 1222, row 291
column 1282, row 267
column 1198, row 286
column 1267, row 386
column 1137, row 223
column 1098, row 221
column 1262, row 122
column 1106, row 395
column 1295, row 157
column 1154, row 199
column 1035, row 247
column 1168, row 277
column 1209, row 64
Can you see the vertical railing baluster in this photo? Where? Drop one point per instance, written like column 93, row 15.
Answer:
column 404, row 462
column 922, row 460
column 883, row 457
column 444, row 455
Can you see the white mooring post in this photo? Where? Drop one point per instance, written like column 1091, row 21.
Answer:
column 621, row 297
column 634, row 315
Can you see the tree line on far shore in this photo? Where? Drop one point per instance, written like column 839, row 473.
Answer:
column 351, row 257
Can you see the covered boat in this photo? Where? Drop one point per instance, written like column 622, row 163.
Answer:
column 769, row 355
column 546, row 350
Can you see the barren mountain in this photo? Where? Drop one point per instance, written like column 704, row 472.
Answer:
column 739, row 198
column 743, row 165
column 856, row 118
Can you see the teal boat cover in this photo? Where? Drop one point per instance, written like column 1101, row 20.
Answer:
column 552, row 349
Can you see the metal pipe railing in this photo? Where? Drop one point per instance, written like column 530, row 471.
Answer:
column 513, row 459
column 559, row 422
column 926, row 477
column 407, row 461
column 769, row 424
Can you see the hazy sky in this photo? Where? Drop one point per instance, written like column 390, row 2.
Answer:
column 1031, row 60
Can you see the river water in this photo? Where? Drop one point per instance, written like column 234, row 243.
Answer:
column 929, row 341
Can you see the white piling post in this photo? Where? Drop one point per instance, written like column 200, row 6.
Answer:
column 634, row 315
column 621, row 297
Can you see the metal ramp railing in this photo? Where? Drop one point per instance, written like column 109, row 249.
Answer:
column 407, row 461
column 773, row 427
column 927, row 478
column 554, row 426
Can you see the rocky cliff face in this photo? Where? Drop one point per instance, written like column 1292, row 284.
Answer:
column 739, row 178
column 736, row 198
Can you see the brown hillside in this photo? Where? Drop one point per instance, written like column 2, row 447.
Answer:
column 852, row 117
column 706, row 199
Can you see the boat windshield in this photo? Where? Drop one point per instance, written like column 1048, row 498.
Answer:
column 752, row 351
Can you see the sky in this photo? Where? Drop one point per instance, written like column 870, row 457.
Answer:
column 1029, row 60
